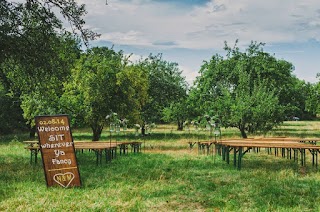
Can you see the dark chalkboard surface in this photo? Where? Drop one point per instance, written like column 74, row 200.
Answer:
column 57, row 151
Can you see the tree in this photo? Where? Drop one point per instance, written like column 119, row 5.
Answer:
column 305, row 100
column 312, row 103
column 10, row 113
column 27, row 28
column 256, row 110
column 178, row 112
column 245, row 89
column 102, row 82
column 38, row 102
column 317, row 91
column 166, row 86
column 33, row 93
column 35, row 49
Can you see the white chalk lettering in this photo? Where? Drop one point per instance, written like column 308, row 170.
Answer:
column 62, row 161
column 59, row 152
column 53, row 129
column 57, row 145
column 68, row 144
column 58, row 137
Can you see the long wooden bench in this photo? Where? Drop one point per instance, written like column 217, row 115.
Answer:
column 109, row 148
column 34, row 150
column 203, row 146
column 136, row 146
column 298, row 145
column 99, row 148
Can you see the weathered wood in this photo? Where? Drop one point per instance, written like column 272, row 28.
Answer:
column 284, row 143
column 57, row 151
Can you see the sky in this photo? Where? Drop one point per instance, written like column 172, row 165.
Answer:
column 190, row 32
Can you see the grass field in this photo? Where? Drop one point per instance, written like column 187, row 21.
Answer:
column 166, row 176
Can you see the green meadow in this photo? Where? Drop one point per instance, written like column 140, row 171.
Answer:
column 165, row 176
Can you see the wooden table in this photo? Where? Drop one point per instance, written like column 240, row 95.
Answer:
column 99, row 148
column 109, row 148
column 241, row 146
column 203, row 146
column 34, row 148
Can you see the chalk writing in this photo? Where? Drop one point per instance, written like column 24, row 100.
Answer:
column 61, row 162
column 52, row 121
column 53, row 129
column 57, row 151
column 64, row 179
column 56, row 137
column 56, row 145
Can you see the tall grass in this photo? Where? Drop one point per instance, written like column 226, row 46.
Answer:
column 304, row 129
column 167, row 176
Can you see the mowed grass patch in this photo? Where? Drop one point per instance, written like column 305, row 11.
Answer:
column 304, row 129
column 160, row 179
column 164, row 182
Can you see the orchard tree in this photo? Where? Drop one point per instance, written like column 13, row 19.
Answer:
column 313, row 98
column 177, row 112
column 35, row 49
column 39, row 102
column 27, row 29
column 306, row 100
column 166, row 86
column 317, row 91
column 34, row 95
column 103, row 82
column 312, row 102
column 245, row 89
column 133, row 92
column 253, row 109
column 10, row 113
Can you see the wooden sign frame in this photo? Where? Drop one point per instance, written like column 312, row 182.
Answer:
column 57, row 151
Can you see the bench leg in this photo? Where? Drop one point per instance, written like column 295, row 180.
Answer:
column 239, row 158
column 98, row 156
column 34, row 153
column 234, row 157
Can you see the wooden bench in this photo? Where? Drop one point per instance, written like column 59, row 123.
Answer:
column 203, row 146
column 241, row 147
column 109, row 148
column 33, row 147
column 34, row 150
column 99, row 148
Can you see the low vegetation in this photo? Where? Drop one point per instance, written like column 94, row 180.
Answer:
column 166, row 176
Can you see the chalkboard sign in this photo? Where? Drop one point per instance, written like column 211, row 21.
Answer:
column 57, row 151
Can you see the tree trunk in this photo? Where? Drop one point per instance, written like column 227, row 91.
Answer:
column 96, row 132
column 143, row 130
column 32, row 132
column 243, row 132
column 180, row 125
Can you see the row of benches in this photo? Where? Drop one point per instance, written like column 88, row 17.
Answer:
column 240, row 147
column 98, row 147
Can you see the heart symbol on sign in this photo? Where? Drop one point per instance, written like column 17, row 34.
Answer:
column 65, row 177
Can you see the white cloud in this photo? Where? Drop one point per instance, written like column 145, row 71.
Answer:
column 131, row 37
column 165, row 25
column 134, row 58
column 189, row 74
column 145, row 22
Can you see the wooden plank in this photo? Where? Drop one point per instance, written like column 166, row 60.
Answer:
column 270, row 145
column 57, row 151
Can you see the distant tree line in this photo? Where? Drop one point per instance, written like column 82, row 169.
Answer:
column 44, row 71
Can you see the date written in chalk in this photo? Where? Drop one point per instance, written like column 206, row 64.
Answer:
column 52, row 121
